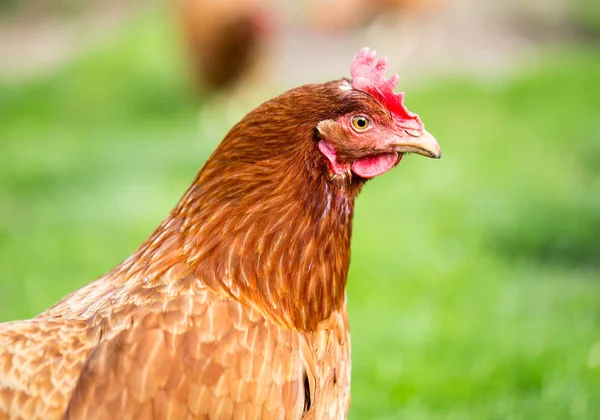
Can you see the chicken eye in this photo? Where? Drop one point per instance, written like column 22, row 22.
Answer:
column 360, row 123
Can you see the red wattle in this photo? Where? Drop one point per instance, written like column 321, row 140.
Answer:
column 372, row 166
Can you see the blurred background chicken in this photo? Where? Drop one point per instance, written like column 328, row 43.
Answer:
column 225, row 40
column 334, row 15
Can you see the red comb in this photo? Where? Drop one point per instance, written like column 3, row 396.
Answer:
column 369, row 76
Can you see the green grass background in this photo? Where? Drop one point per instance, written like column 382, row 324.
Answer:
column 474, row 290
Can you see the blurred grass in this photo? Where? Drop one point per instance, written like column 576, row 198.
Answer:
column 475, row 281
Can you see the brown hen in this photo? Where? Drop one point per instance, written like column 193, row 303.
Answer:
column 225, row 40
column 235, row 306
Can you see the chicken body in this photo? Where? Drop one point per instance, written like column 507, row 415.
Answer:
column 235, row 306
column 184, row 352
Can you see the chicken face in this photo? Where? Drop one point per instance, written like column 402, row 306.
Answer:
column 369, row 144
column 372, row 138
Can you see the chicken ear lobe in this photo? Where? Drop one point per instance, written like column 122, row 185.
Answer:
column 326, row 130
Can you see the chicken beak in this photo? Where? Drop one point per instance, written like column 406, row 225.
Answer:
column 424, row 145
